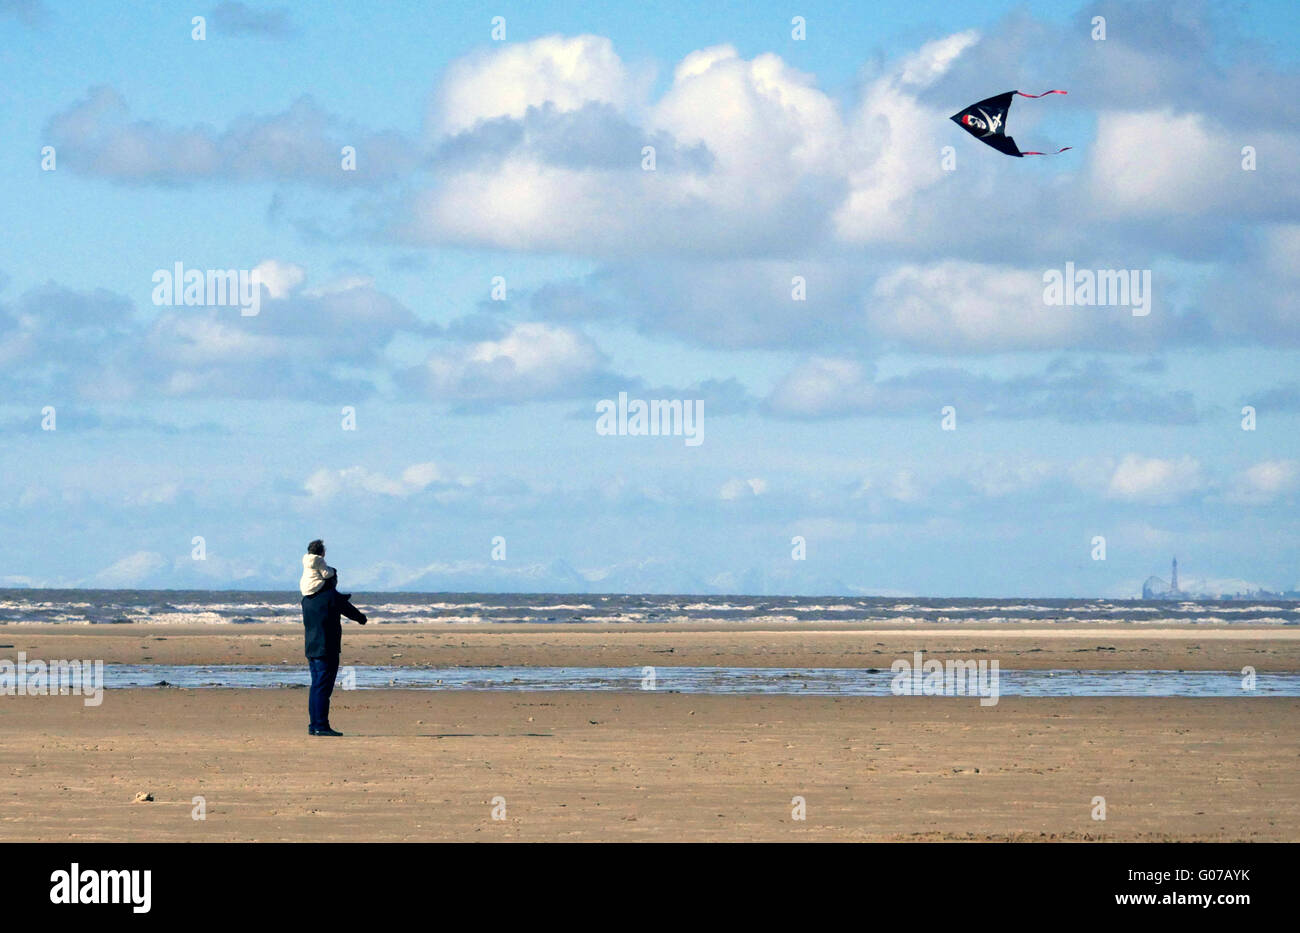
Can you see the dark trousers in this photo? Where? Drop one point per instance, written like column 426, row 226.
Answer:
column 323, row 672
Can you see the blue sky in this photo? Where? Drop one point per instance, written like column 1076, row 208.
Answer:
column 824, row 158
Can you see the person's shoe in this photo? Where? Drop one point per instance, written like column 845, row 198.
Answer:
column 325, row 731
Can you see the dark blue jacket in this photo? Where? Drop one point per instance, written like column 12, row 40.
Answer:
column 322, row 627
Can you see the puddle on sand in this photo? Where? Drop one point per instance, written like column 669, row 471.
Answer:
column 708, row 680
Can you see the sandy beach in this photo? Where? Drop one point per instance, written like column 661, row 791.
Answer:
column 652, row 766
column 574, row 766
column 1034, row 647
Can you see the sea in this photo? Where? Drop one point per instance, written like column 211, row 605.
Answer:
column 233, row 607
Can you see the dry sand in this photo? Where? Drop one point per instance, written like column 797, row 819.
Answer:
column 650, row 766
column 644, row 766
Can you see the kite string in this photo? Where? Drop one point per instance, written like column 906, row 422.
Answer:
column 1044, row 94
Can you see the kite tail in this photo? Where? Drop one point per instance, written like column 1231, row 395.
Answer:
column 1044, row 94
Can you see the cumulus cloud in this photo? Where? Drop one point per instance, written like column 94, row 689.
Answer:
column 565, row 72
column 333, row 340
column 532, row 361
column 1000, row 480
column 1265, row 482
column 97, row 136
column 94, row 344
column 749, row 149
column 822, row 388
column 784, row 169
column 279, row 278
column 896, row 139
column 1195, row 169
column 742, row 488
column 763, row 176
column 898, row 486
column 760, row 118
column 327, row 483
column 132, row 569
column 1154, row 480
column 738, row 303
column 596, row 136
column 1258, row 296
column 1067, row 390
column 966, row 305
column 537, row 146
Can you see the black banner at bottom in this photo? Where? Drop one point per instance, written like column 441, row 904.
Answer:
column 141, row 882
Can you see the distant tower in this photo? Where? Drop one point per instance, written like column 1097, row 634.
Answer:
column 1173, row 578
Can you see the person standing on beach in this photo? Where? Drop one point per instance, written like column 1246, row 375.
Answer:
column 322, row 608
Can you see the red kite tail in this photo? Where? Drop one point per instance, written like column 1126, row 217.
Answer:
column 1057, row 152
column 1044, row 94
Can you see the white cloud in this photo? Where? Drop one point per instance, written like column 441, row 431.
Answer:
column 505, row 82
column 279, row 278
column 533, row 360
column 1153, row 480
column 955, row 305
column 896, row 142
column 96, row 135
column 775, row 141
column 822, row 386
column 1281, row 251
column 933, row 59
column 1265, row 482
column 898, row 486
column 419, row 475
column 344, row 284
column 205, row 338
column 759, row 117
column 1157, row 162
column 738, row 488
column 132, row 569
column 701, row 60
column 328, row 483
column 1175, row 165
column 163, row 494
column 1000, row 480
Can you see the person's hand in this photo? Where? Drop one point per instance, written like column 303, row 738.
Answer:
column 362, row 620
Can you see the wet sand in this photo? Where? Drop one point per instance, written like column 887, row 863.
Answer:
column 646, row 766
column 1025, row 647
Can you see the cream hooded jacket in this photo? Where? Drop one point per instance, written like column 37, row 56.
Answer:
column 314, row 574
